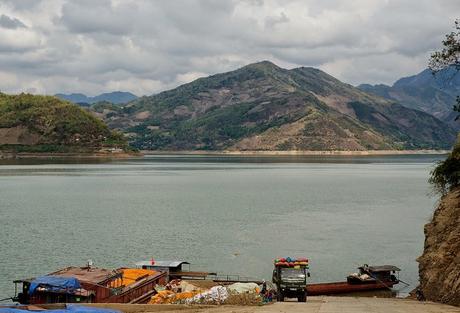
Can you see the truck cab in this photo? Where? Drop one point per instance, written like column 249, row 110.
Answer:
column 290, row 277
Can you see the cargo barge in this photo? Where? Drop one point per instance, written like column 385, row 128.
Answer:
column 89, row 284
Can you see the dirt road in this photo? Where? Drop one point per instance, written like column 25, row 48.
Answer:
column 313, row 305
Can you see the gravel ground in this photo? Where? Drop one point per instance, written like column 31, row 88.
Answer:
column 313, row 305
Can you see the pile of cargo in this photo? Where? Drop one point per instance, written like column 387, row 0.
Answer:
column 133, row 275
column 291, row 262
column 184, row 292
column 68, row 308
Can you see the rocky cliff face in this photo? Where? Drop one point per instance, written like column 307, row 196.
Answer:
column 439, row 266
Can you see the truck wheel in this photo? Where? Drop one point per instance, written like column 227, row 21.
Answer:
column 280, row 297
column 302, row 298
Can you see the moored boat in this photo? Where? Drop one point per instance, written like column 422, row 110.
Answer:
column 369, row 278
column 89, row 284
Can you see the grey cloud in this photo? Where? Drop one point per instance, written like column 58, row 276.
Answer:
column 23, row 5
column 92, row 45
column 95, row 16
column 10, row 22
column 271, row 21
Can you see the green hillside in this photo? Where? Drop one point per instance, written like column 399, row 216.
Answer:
column 46, row 124
column 264, row 107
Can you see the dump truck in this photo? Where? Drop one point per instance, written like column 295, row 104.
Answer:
column 290, row 277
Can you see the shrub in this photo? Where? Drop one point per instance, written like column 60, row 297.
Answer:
column 446, row 174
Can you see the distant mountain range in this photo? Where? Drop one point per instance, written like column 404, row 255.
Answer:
column 116, row 97
column 264, row 107
column 434, row 94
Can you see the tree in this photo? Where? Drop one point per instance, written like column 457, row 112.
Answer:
column 449, row 56
column 446, row 175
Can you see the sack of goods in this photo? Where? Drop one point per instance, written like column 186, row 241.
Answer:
column 291, row 262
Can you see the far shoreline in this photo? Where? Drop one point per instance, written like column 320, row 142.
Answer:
column 297, row 153
column 4, row 155
column 69, row 155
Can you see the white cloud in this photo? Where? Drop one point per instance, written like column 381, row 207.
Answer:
column 19, row 40
column 145, row 46
column 136, row 85
column 188, row 77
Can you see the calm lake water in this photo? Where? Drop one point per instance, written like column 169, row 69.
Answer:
column 232, row 215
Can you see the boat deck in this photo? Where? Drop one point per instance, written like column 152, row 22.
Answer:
column 345, row 287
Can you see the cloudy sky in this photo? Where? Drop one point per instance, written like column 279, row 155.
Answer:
column 145, row 46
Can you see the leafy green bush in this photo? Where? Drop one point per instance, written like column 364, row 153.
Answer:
column 446, row 175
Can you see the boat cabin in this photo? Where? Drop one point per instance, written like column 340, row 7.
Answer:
column 380, row 273
column 163, row 266
column 173, row 269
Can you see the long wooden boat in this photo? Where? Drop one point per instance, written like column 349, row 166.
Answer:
column 346, row 287
column 368, row 278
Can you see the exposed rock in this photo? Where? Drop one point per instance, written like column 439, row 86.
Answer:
column 439, row 265
column 143, row 115
column 18, row 135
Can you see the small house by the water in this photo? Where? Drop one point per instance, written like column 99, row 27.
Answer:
column 173, row 269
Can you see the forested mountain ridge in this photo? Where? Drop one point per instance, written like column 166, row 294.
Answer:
column 264, row 107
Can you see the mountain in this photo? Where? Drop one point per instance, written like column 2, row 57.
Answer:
column 264, row 107
column 47, row 124
column 434, row 94
column 117, row 97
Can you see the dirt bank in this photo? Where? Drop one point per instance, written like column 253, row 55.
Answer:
column 439, row 265
column 18, row 135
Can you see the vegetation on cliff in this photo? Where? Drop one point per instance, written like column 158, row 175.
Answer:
column 439, row 265
column 30, row 123
column 446, row 175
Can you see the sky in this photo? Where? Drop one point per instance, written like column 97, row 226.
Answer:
column 146, row 46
